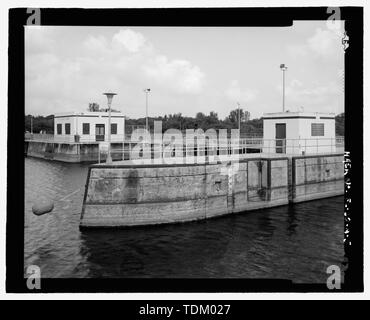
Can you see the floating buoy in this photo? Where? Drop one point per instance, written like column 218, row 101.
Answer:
column 42, row 208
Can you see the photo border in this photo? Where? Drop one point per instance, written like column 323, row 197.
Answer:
column 217, row 17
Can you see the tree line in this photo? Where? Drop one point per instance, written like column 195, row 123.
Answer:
column 248, row 127
column 202, row 121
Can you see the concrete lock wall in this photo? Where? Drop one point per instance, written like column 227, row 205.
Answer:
column 36, row 149
column 317, row 177
column 66, row 152
column 89, row 152
column 140, row 195
column 71, row 152
column 54, row 151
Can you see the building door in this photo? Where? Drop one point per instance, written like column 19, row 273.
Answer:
column 99, row 132
column 280, row 136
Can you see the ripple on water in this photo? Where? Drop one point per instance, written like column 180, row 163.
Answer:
column 293, row 242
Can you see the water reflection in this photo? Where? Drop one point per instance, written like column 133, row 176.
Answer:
column 262, row 244
column 292, row 220
column 162, row 251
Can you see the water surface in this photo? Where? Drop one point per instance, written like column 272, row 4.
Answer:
column 296, row 242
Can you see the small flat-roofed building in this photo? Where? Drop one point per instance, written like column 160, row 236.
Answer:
column 299, row 132
column 82, row 127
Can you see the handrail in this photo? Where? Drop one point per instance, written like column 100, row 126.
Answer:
column 242, row 146
column 266, row 146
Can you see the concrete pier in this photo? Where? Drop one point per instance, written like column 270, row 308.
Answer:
column 125, row 194
column 89, row 151
column 70, row 152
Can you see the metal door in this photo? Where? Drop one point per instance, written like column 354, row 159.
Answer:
column 99, row 132
column 280, row 136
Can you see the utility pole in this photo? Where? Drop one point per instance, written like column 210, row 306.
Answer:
column 238, row 116
column 146, row 108
column 283, row 68
column 110, row 96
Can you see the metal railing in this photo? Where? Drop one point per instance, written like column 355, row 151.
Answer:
column 115, row 138
column 70, row 138
column 304, row 146
column 253, row 141
column 255, row 146
column 38, row 136
column 124, row 149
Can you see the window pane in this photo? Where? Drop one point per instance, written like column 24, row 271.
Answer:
column 317, row 129
column 86, row 128
column 113, row 129
column 68, row 128
column 59, row 128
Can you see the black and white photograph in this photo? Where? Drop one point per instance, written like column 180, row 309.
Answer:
column 185, row 150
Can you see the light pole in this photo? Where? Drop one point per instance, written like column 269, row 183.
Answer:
column 238, row 116
column 110, row 96
column 283, row 68
column 146, row 107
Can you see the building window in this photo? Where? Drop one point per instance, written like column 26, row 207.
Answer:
column 59, row 128
column 113, row 128
column 86, row 128
column 317, row 129
column 67, row 128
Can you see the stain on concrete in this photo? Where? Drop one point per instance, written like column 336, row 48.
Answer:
column 132, row 187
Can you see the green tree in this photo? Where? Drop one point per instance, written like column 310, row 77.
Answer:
column 234, row 115
column 339, row 124
column 39, row 123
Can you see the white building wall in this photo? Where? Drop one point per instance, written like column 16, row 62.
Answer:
column 298, row 133
column 77, row 120
column 269, row 134
column 317, row 144
column 64, row 137
column 119, row 137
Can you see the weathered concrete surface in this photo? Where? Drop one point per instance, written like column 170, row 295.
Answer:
column 54, row 151
column 140, row 195
column 316, row 177
column 70, row 152
column 128, row 195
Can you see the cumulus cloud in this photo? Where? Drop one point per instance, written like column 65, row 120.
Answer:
column 324, row 43
column 96, row 45
column 236, row 93
column 316, row 62
column 129, row 39
column 125, row 62
column 179, row 75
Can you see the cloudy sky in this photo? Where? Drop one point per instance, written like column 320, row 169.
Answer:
column 188, row 69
